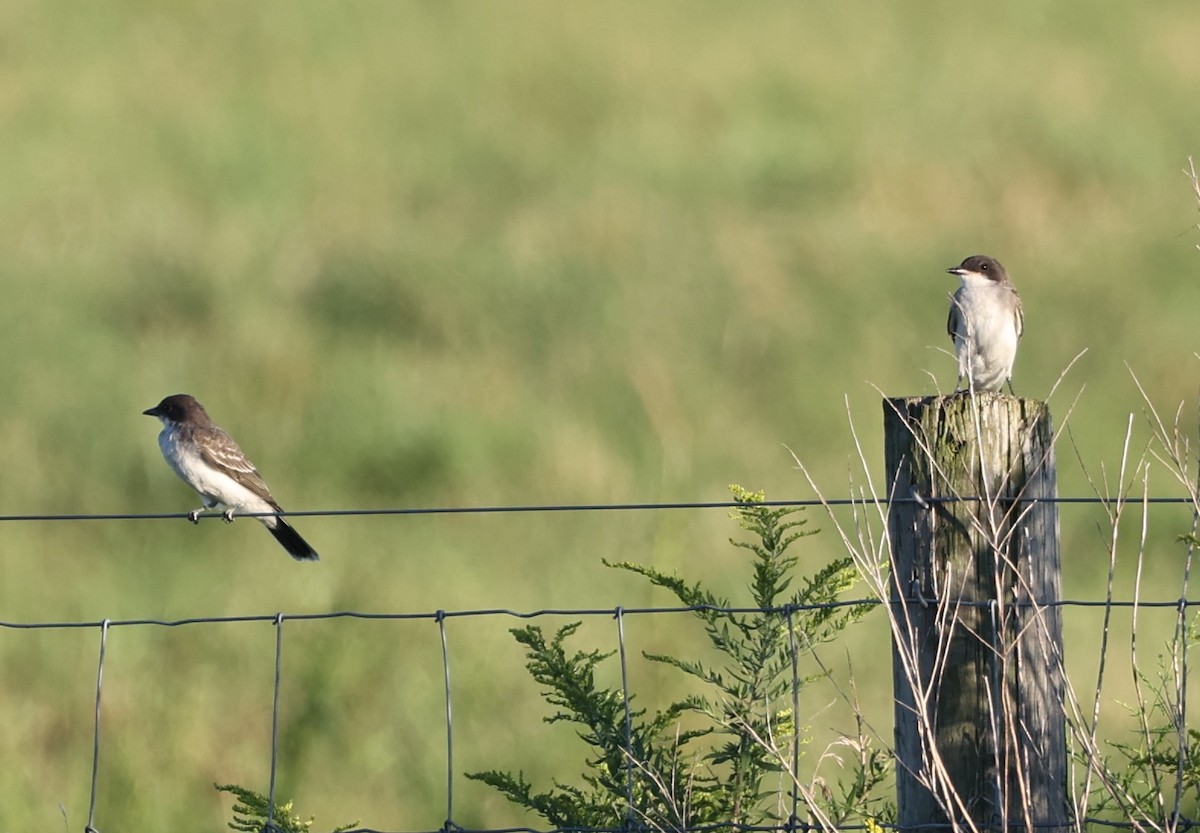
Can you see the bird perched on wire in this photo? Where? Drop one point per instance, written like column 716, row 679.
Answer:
column 986, row 322
column 208, row 460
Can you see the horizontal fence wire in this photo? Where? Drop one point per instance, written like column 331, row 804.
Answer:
column 619, row 613
column 438, row 615
column 587, row 507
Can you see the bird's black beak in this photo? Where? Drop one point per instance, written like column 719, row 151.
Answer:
column 956, row 270
column 151, row 411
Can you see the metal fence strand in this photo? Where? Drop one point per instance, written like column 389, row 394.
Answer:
column 793, row 651
column 619, row 614
column 449, row 824
column 270, row 825
column 568, row 507
column 96, row 729
column 472, row 613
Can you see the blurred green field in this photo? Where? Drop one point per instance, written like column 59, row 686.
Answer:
column 456, row 254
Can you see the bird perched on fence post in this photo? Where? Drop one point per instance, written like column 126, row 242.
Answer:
column 208, row 460
column 986, row 322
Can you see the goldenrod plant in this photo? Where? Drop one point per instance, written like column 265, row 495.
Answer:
column 728, row 755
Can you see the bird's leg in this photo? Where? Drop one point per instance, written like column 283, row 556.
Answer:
column 228, row 515
column 1010, row 387
column 194, row 515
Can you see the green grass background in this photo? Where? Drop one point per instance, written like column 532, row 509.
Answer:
column 455, row 254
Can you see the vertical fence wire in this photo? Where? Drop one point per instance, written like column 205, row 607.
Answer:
column 1183, row 636
column 449, row 824
column 270, row 825
column 629, row 812
column 96, row 728
column 793, row 651
column 998, row 681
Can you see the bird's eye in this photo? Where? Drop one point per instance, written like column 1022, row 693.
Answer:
column 983, row 267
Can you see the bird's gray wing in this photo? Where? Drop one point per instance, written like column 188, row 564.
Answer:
column 219, row 450
column 954, row 322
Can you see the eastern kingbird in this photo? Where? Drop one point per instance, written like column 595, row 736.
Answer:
column 985, row 323
column 208, row 460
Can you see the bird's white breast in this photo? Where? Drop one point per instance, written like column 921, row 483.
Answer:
column 987, row 352
column 213, row 485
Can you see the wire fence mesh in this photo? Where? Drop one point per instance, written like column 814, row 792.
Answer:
column 619, row 614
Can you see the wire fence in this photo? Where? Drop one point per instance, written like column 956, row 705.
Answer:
column 616, row 614
column 441, row 617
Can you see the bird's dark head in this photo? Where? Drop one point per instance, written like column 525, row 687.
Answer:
column 178, row 408
column 980, row 268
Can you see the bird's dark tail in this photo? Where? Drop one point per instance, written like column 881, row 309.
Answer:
column 296, row 546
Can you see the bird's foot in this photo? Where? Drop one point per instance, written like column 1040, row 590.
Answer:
column 228, row 516
column 194, row 515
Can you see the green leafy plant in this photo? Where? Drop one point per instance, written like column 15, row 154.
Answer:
column 649, row 770
column 251, row 813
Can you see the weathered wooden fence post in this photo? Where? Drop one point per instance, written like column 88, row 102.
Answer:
column 977, row 637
